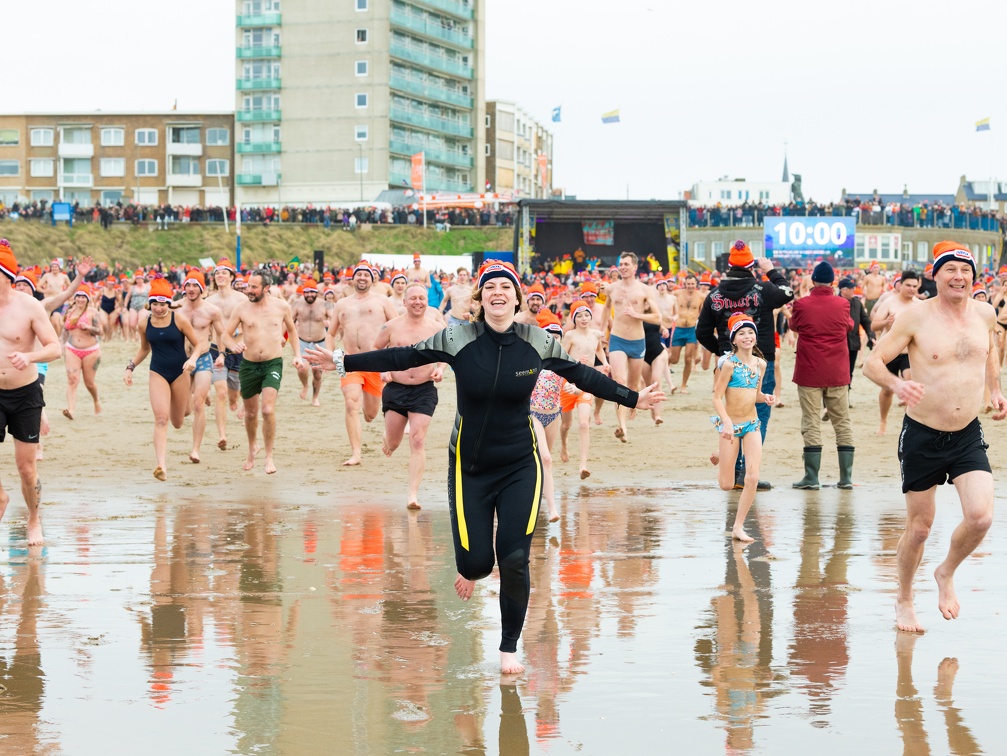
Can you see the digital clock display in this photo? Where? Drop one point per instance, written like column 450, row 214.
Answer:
column 798, row 237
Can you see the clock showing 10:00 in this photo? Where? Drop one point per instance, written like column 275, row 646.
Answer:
column 805, row 234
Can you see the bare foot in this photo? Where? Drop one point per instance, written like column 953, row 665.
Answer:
column 464, row 587
column 68, row 414
column 621, row 435
column 564, row 455
column 239, row 411
column 194, row 457
column 304, row 394
column 250, row 459
column 947, row 599
column 509, row 665
column 270, row 467
column 674, row 389
column 159, row 473
column 352, row 461
column 44, row 426
column 882, row 430
column 4, row 501
column 222, row 444
column 585, row 474
column 97, row 407
column 384, row 447
column 35, row 531
column 946, row 672
column 658, row 421
column 553, row 515
column 779, row 404
column 597, row 419
column 715, row 459
column 38, row 454
column 315, row 403
column 905, row 617
column 413, row 505
column 738, row 534
column 683, row 390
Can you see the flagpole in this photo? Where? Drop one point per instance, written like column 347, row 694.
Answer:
column 423, row 193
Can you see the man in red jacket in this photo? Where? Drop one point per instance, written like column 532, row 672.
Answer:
column 821, row 371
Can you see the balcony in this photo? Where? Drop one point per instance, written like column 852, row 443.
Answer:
column 454, row 7
column 430, row 91
column 273, row 51
column 433, row 184
column 188, row 149
column 262, row 19
column 258, row 148
column 432, row 154
column 75, row 150
column 184, row 179
column 258, row 116
column 430, row 29
column 258, row 179
column 77, row 179
column 434, row 123
column 257, row 84
column 428, row 60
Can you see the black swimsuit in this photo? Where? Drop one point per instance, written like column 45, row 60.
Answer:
column 167, row 350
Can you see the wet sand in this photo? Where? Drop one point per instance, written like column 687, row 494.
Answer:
column 310, row 612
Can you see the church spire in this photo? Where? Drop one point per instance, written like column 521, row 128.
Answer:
column 786, row 171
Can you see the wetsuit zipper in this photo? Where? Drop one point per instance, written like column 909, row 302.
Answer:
column 489, row 403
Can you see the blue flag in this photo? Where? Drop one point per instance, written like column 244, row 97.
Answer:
column 611, row 116
column 983, row 125
column 556, row 114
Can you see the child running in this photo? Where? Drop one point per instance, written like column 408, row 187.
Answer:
column 735, row 393
column 545, row 411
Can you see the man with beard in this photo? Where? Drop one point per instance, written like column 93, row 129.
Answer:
column 309, row 317
column 535, row 300
column 359, row 316
column 203, row 317
column 397, row 294
column 262, row 321
column 458, row 298
column 409, row 398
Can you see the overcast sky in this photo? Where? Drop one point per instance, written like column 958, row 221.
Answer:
column 871, row 95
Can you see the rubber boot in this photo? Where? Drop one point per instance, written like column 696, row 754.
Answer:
column 812, row 464
column 845, row 467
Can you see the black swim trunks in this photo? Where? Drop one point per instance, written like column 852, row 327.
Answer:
column 21, row 412
column 929, row 457
column 899, row 365
column 398, row 397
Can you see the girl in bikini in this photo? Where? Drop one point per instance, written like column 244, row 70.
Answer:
column 545, row 406
column 735, row 393
column 83, row 352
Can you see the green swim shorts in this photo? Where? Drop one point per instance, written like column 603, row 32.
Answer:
column 255, row 376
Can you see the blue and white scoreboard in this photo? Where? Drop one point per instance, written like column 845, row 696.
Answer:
column 798, row 240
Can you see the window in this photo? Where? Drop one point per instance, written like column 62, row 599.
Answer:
column 9, row 137
column 922, row 251
column 111, row 137
column 41, row 167
column 360, row 133
column 218, row 136
column 258, row 7
column 113, row 167
column 260, row 70
column 505, row 122
column 37, row 195
column 10, row 168
column 361, row 5
column 146, row 167
column 256, row 103
column 361, row 36
column 489, row 122
column 146, row 137
column 183, row 165
column 218, row 167
column 756, row 247
column 76, row 136
column 361, row 68
column 700, row 250
column 360, row 165
column 258, row 133
column 505, row 150
column 41, row 137
column 489, row 151
column 111, row 196
column 184, row 135
column 361, row 99
column 717, row 249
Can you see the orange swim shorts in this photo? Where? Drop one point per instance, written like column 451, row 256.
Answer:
column 568, row 401
column 370, row 381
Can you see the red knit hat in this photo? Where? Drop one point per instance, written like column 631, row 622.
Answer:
column 8, row 263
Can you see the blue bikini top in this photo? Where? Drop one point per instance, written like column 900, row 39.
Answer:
column 743, row 376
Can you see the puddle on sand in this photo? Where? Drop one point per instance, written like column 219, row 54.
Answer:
column 249, row 627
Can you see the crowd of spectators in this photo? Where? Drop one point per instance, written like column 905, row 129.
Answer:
column 869, row 212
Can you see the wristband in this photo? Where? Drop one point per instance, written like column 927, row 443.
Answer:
column 131, row 365
column 337, row 360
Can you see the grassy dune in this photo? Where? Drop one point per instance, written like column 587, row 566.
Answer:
column 34, row 242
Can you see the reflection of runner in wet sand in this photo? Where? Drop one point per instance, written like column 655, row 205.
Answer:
column 495, row 471
column 262, row 321
column 25, row 324
column 163, row 335
column 950, row 343
column 735, row 394
column 410, row 397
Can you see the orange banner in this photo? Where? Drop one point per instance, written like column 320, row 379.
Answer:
column 417, row 173
column 543, row 169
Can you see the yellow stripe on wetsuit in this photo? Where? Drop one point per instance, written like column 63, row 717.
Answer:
column 538, row 480
column 463, row 531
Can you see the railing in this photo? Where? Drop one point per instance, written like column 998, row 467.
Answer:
column 77, row 179
column 454, row 7
column 254, row 116
column 447, row 157
column 251, row 84
column 254, row 179
column 438, row 62
column 270, row 51
column 435, row 123
column 728, row 217
column 262, row 19
column 430, row 29
column 433, row 184
column 257, row 148
column 430, row 91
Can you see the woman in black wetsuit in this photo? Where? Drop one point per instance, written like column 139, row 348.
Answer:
column 494, row 464
column 163, row 334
